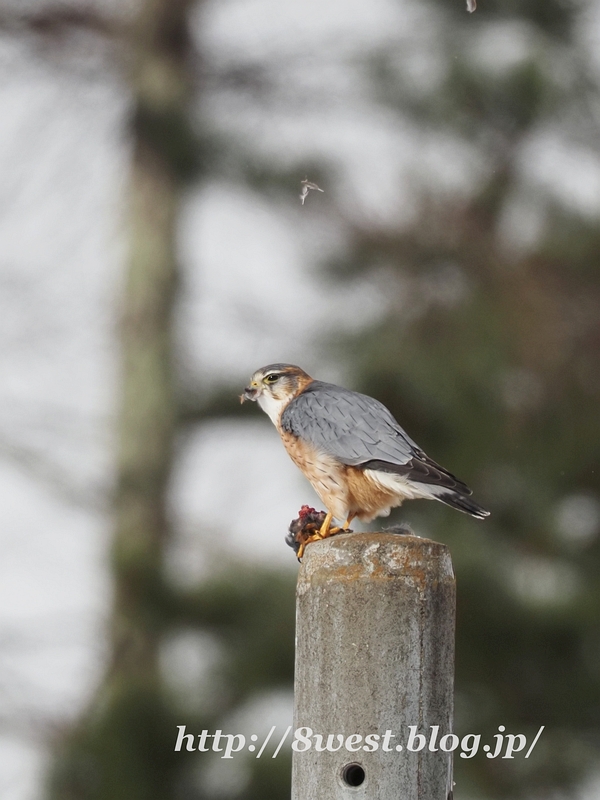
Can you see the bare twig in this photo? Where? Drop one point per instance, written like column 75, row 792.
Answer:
column 55, row 21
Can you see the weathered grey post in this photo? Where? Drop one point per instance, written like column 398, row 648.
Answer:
column 374, row 654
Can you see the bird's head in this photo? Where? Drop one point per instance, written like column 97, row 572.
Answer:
column 274, row 386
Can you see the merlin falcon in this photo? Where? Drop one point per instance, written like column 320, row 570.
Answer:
column 358, row 459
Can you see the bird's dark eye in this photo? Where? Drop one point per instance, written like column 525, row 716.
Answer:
column 272, row 378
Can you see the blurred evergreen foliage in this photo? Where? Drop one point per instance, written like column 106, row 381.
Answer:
column 489, row 355
column 123, row 748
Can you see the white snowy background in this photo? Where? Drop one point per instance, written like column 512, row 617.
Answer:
column 63, row 162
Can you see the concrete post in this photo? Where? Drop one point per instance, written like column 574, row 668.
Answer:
column 374, row 653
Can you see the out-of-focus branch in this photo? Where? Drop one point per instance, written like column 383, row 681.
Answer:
column 48, row 473
column 80, row 40
column 194, row 409
column 57, row 21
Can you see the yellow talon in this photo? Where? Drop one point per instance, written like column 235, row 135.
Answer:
column 323, row 533
column 348, row 521
column 324, row 530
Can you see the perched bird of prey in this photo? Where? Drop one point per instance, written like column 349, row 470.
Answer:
column 358, row 459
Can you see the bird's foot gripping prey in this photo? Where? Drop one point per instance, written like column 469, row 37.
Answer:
column 310, row 526
column 358, row 459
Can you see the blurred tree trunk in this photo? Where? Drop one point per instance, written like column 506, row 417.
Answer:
column 147, row 405
column 119, row 749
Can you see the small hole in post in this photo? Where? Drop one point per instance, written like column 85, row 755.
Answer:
column 353, row 775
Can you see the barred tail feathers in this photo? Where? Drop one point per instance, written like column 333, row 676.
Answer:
column 464, row 504
column 423, row 478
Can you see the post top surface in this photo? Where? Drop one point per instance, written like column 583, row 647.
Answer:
column 375, row 556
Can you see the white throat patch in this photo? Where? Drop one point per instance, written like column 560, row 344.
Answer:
column 271, row 406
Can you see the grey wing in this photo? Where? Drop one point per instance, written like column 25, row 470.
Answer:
column 351, row 427
column 359, row 431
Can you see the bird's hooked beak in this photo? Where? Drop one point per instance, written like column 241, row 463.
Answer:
column 250, row 392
